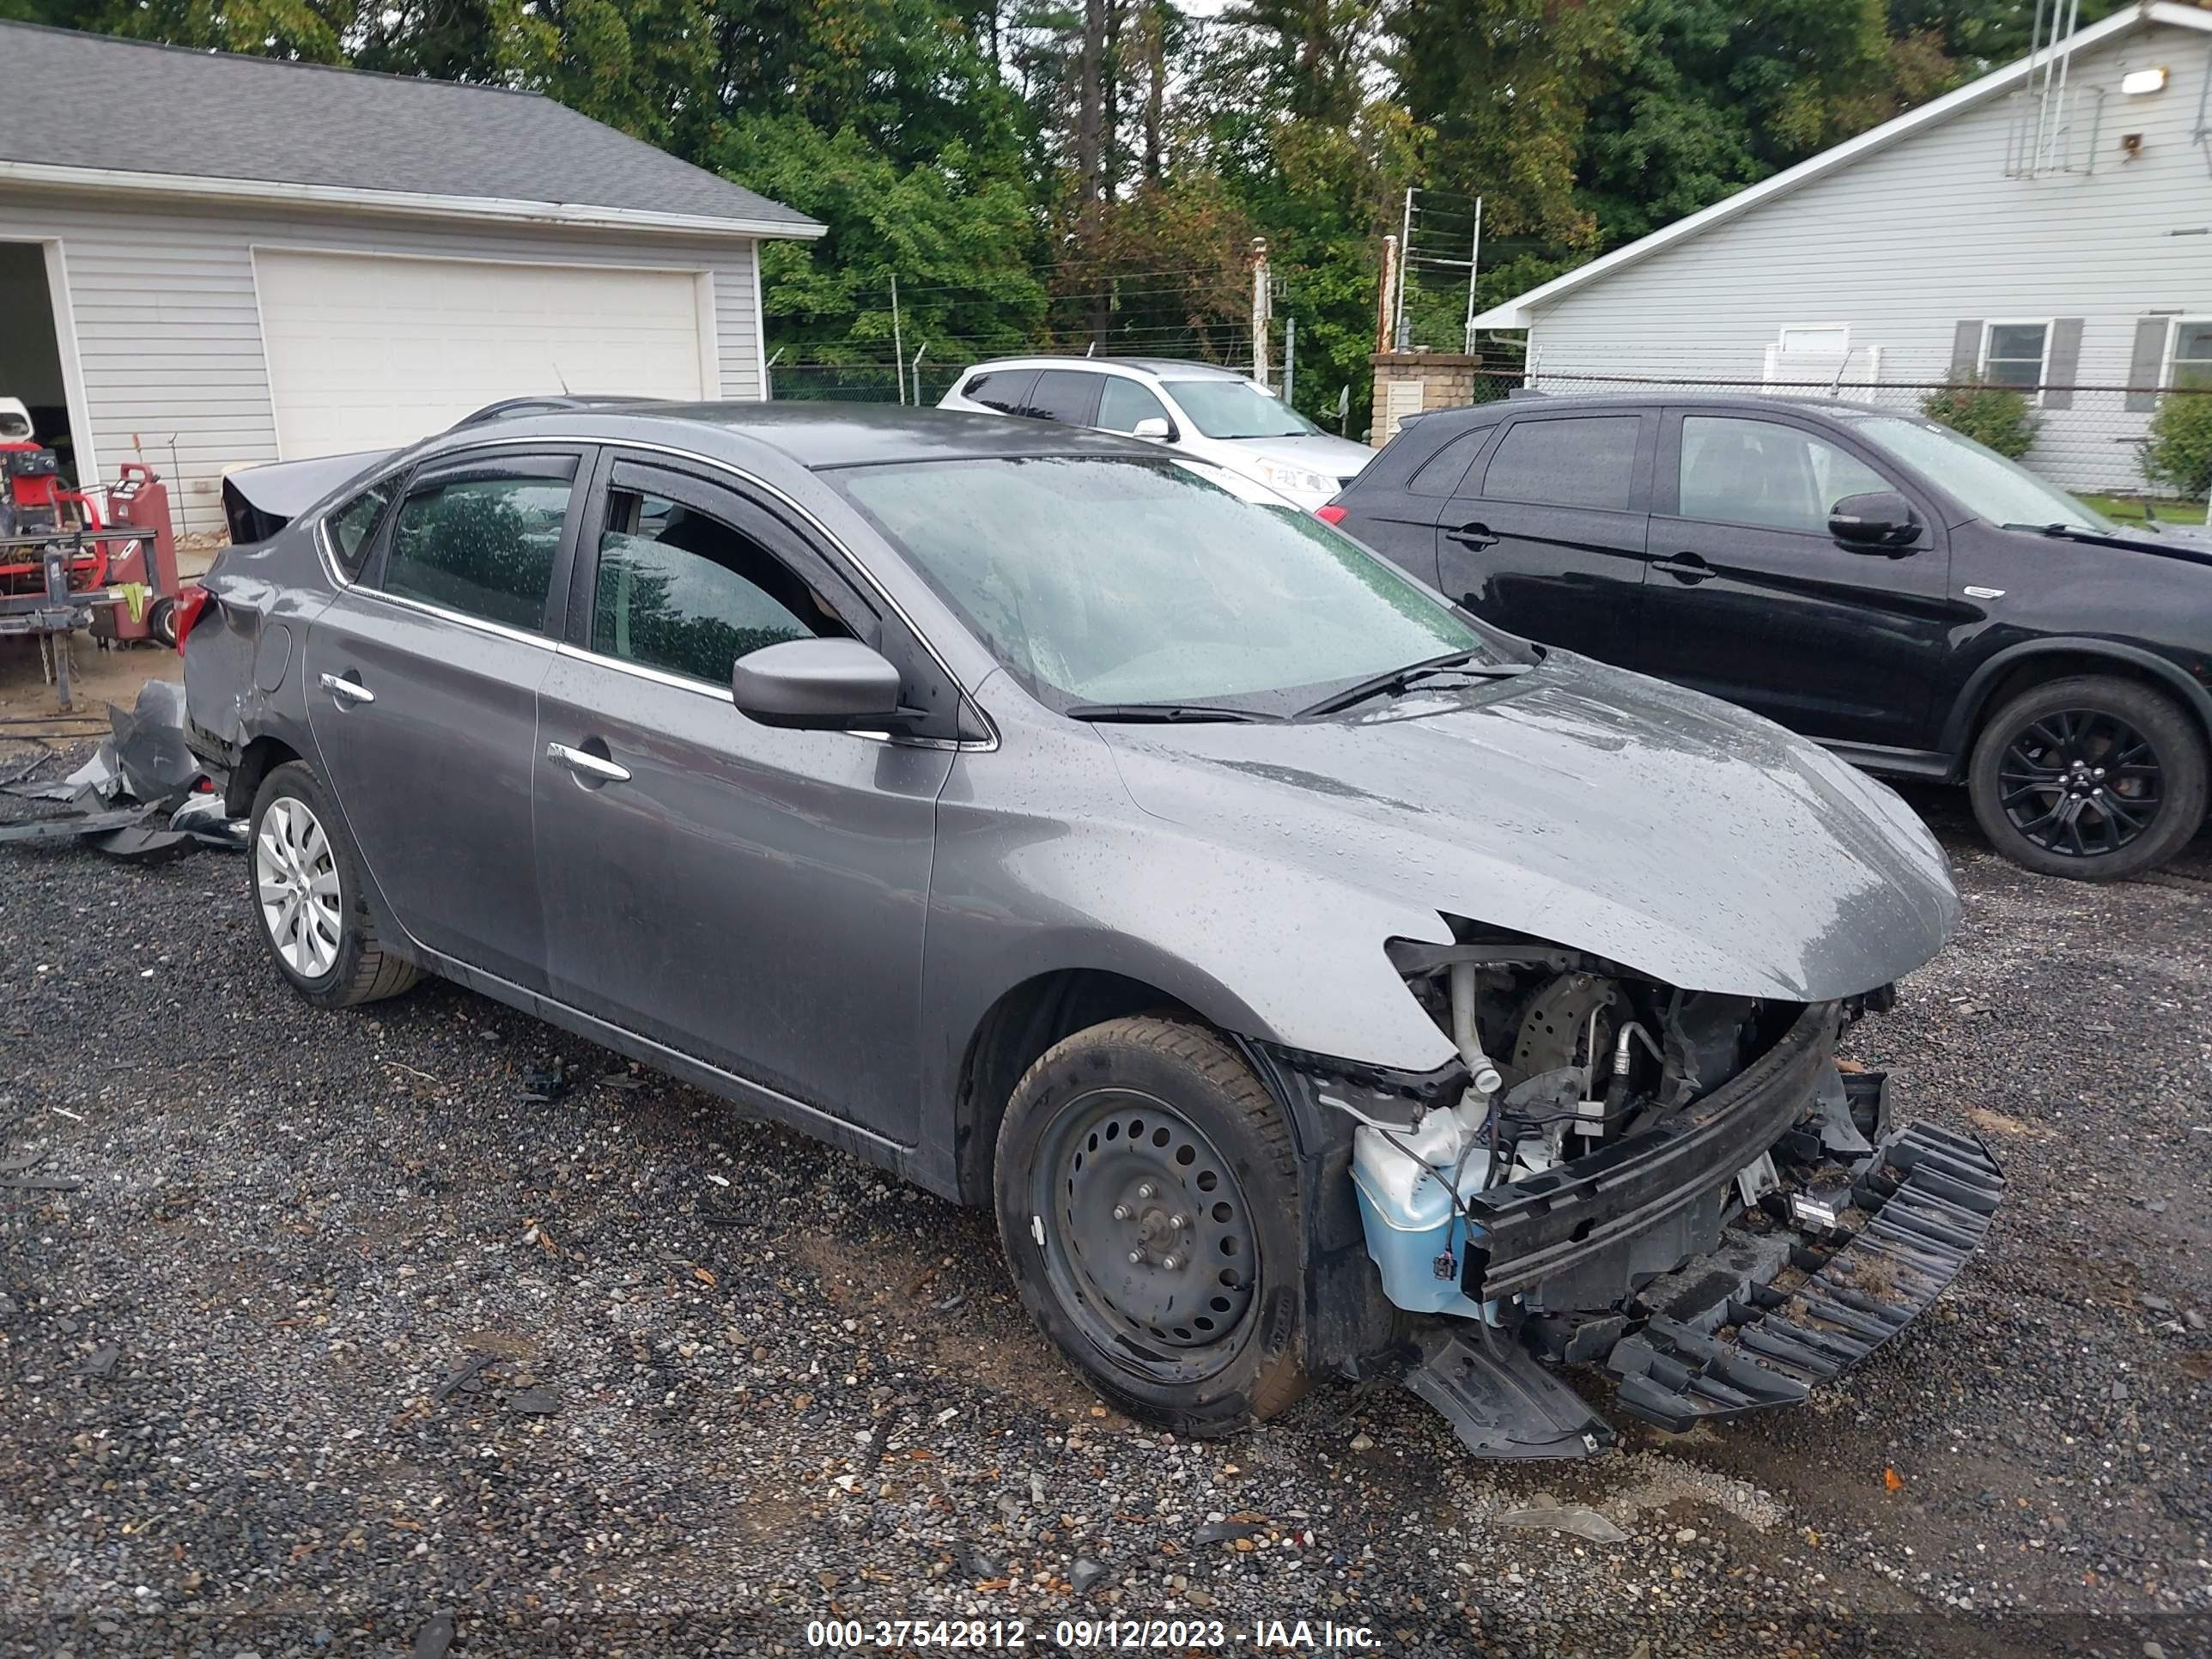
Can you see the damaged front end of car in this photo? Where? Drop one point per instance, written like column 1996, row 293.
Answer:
column 1681, row 1187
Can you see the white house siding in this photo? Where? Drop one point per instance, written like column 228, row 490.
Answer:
column 1903, row 244
column 168, row 337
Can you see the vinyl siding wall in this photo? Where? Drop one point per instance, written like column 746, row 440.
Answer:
column 168, row 337
column 1904, row 244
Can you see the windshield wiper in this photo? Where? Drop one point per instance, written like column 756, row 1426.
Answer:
column 2064, row 532
column 1161, row 712
column 1400, row 679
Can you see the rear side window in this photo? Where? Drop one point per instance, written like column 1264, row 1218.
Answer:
column 1441, row 473
column 351, row 527
column 1007, row 390
column 1067, row 395
column 683, row 593
column 482, row 546
column 1581, row 461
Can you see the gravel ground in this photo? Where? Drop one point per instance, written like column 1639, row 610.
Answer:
column 313, row 1327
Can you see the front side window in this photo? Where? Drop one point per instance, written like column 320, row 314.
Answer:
column 685, row 593
column 350, row 527
column 1123, row 404
column 1113, row 580
column 1237, row 408
column 484, row 547
column 2012, row 353
column 2192, row 355
column 1588, row 460
column 1994, row 490
column 1763, row 473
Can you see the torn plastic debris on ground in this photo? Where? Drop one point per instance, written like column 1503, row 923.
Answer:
column 142, row 796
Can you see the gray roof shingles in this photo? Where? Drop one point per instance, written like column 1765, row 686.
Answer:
column 87, row 100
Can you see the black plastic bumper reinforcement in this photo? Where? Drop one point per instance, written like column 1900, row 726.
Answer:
column 1541, row 1227
column 1728, row 1345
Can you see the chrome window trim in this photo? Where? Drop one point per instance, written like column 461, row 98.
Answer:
column 978, row 745
column 462, row 618
column 722, row 694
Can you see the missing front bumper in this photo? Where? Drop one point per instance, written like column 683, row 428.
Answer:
column 1750, row 1325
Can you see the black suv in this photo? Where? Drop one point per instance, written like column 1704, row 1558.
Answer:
column 1875, row 580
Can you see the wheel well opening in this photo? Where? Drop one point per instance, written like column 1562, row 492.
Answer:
column 1020, row 1026
column 261, row 756
column 2041, row 667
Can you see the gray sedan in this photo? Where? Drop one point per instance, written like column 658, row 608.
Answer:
column 1318, row 981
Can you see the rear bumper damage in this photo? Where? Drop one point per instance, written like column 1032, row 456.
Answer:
column 1765, row 1240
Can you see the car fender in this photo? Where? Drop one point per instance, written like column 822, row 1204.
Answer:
column 1966, row 711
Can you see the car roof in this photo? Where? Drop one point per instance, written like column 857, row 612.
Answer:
column 1166, row 367
column 818, row 436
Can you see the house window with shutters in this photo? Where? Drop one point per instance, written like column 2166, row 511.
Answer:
column 2040, row 356
column 2015, row 355
column 2191, row 365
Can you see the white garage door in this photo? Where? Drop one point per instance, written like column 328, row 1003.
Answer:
column 366, row 352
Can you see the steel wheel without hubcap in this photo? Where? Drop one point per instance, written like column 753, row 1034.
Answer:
column 1149, row 1242
column 2080, row 783
column 296, row 880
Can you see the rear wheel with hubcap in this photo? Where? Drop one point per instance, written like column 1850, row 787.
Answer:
column 308, row 896
column 2093, row 777
column 1148, row 1202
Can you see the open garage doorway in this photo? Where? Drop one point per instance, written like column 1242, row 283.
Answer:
column 31, row 351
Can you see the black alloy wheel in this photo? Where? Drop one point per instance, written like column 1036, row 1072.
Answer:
column 2093, row 778
column 2080, row 783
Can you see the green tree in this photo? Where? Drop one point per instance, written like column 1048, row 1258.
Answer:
column 1504, row 89
column 960, row 238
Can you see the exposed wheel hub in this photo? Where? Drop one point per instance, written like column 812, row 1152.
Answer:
column 1153, row 1224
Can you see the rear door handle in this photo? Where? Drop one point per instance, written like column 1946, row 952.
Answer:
column 584, row 764
column 1476, row 536
column 1688, row 569
column 346, row 691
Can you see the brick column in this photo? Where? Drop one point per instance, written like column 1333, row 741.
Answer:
column 1414, row 382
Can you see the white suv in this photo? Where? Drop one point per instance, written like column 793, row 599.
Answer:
column 1213, row 413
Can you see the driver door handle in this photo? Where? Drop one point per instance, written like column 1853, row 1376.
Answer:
column 584, row 764
column 346, row 691
column 1474, row 536
column 1688, row 569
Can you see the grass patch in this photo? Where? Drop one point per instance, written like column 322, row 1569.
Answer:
column 2124, row 509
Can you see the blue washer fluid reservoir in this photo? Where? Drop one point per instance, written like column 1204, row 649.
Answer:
column 1406, row 1205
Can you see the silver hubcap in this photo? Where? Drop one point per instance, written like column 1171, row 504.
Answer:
column 296, row 880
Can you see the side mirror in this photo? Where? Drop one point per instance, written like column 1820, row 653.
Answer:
column 816, row 685
column 1157, row 427
column 1876, row 522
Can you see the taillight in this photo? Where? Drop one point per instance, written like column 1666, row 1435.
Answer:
column 1330, row 515
column 190, row 602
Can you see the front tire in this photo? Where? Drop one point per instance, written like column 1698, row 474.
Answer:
column 2093, row 778
column 1148, row 1205
column 307, row 899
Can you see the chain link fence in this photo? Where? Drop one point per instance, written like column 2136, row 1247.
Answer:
column 2134, row 444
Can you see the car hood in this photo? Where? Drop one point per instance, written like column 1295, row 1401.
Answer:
column 1340, row 458
column 1695, row 843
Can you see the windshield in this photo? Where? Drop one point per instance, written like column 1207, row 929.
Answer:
column 1237, row 408
column 1988, row 486
column 1098, row 580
